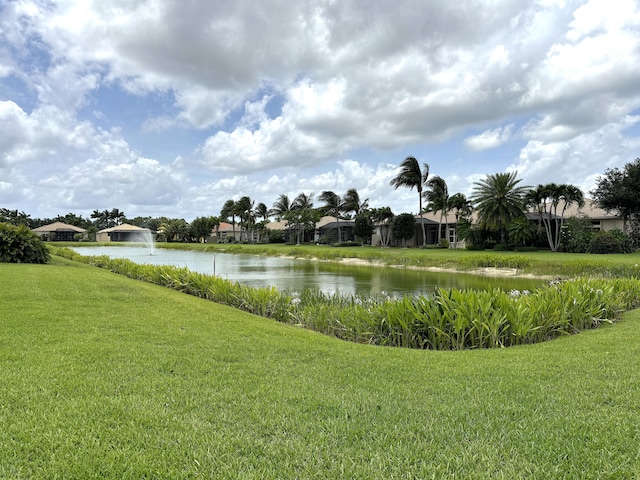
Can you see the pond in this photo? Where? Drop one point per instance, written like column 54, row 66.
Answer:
column 295, row 275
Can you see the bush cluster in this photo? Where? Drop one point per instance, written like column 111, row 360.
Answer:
column 21, row 245
column 614, row 241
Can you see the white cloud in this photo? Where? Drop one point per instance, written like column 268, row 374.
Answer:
column 288, row 91
column 489, row 138
column 576, row 160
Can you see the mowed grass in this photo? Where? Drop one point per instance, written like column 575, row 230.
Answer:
column 106, row 377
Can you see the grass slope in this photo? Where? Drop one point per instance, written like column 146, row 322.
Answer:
column 106, row 377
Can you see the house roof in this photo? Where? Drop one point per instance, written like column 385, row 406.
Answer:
column 58, row 227
column 590, row 210
column 125, row 227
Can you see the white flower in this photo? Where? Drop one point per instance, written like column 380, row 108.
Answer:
column 514, row 293
column 295, row 301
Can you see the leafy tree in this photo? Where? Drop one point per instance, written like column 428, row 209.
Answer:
column 437, row 196
column 498, row 199
column 200, row 228
column 18, row 244
column 404, row 227
column 617, row 191
column 411, row 176
column 363, row 227
column 577, row 233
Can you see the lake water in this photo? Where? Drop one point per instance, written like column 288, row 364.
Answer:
column 295, row 275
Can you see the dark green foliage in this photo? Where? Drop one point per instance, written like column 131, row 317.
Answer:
column 363, row 228
column 576, row 234
column 618, row 190
column 21, row 245
column 610, row 242
column 276, row 236
column 476, row 247
column 404, row 227
column 502, row 247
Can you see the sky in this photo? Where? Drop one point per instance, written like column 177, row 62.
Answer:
column 171, row 107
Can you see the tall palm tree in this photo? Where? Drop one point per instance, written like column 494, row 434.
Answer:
column 353, row 204
column 333, row 206
column 244, row 209
column 437, row 197
column 411, row 176
column 546, row 199
column 498, row 198
column 262, row 211
column 281, row 207
column 302, row 215
column 463, row 208
column 383, row 217
column 229, row 210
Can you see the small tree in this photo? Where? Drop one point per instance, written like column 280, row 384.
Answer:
column 577, row 233
column 404, row 227
column 363, row 228
column 618, row 191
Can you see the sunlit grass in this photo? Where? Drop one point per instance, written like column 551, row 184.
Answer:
column 106, row 377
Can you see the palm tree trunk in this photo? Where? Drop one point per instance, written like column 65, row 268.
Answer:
column 424, row 235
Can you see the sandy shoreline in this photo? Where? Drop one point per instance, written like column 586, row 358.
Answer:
column 485, row 271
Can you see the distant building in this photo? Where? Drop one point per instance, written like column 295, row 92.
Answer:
column 59, row 232
column 122, row 233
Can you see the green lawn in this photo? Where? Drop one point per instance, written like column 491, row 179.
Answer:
column 106, row 377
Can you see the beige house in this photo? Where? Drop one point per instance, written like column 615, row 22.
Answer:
column 600, row 219
column 123, row 233
column 58, row 231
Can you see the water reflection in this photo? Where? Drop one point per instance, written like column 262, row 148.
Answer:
column 295, row 275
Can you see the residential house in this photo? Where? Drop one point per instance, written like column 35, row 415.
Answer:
column 123, row 233
column 60, row 232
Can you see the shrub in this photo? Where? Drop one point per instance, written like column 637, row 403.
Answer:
column 610, row 242
column 443, row 243
column 21, row 245
column 489, row 244
column 502, row 247
column 576, row 234
column 474, row 247
column 348, row 244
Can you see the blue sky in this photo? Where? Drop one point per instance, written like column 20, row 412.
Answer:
column 162, row 107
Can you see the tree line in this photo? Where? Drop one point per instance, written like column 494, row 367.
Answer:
column 496, row 210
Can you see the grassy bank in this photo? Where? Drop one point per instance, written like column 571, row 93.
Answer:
column 106, row 377
column 544, row 263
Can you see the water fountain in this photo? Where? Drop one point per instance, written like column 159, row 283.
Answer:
column 146, row 237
